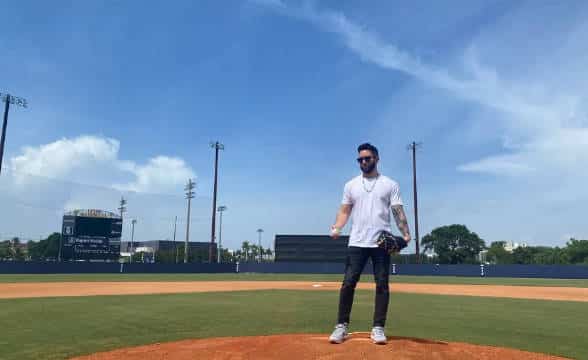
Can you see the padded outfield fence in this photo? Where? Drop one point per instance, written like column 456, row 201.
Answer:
column 513, row 271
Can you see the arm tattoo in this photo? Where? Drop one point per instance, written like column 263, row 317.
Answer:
column 400, row 218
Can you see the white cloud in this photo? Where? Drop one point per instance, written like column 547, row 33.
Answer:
column 87, row 172
column 498, row 165
column 58, row 159
column 95, row 160
column 158, row 175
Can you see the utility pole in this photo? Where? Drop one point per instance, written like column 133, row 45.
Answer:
column 259, row 231
column 189, row 195
column 122, row 209
column 220, row 209
column 175, row 247
column 8, row 99
column 413, row 146
column 133, row 222
column 216, row 146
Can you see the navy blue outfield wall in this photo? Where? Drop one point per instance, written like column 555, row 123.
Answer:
column 106, row 268
column 516, row 271
column 293, row 268
column 57, row 267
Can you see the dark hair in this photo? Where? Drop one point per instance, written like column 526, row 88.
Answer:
column 370, row 147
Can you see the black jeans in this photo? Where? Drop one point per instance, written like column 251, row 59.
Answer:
column 356, row 259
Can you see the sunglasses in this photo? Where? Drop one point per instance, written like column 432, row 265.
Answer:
column 365, row 158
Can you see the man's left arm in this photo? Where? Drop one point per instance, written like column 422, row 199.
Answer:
column 401, row 222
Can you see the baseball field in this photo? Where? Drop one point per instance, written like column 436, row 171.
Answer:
column 286, row 316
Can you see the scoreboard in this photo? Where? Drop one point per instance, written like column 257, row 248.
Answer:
column 91, row 235
column 310, row 248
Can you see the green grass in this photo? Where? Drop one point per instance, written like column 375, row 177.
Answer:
column 4, row 278
column 58, row 328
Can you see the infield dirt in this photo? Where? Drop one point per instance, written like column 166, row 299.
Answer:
column 27, row 290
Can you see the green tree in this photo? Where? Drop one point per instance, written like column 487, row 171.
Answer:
column 454, row 244
column 577, row 251
column 246, row 248
column 497, row 254
column 549, row 256
column 226, row 256
column 524, row 255
column 269, row 253
column 254, row 249
column 238, row 255
column 5, row 250
column 45, row 249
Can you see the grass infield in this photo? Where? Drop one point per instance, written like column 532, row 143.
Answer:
column 4, row 278
column 58, row 328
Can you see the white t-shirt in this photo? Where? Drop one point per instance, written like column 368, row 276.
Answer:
column 371, row 199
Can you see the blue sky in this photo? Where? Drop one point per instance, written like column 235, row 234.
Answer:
column 126, row 96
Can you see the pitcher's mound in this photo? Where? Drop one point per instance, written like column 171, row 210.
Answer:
column 314, row 346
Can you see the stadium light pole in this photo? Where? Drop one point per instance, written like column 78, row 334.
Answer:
column 8, row 99
column 413, row 146
column 133, row 222
column 60, row 245
column 122, row 209
column 175, row 247
column 189, row 195
column 216, row 146
column 220, row 209
column 259, row 231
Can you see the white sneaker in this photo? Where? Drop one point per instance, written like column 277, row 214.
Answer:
column 378, row 336
column 339, row 334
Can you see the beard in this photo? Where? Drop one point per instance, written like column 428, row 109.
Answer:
column 366, row 169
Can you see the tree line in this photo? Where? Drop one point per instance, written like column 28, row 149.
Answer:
column 48, row 250
column 451, row 244
column 456, row 244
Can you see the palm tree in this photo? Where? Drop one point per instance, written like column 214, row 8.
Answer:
column 254, row 251
column 246, row 248
column 269, row 253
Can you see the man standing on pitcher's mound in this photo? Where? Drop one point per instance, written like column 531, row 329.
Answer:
column 368, row 199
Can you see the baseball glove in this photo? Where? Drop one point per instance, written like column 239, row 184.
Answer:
column 391, row 243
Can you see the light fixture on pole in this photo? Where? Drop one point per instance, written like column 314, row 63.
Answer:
column 220, row 209
column 8, row 99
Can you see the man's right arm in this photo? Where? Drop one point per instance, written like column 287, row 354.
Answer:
column 341, row 220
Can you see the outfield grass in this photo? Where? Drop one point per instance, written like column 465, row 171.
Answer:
column 57, row 328
column 4, row 278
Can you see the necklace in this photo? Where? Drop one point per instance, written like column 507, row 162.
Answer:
column 373, row 186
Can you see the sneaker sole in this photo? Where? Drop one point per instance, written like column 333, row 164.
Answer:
column 384, row 342
column 332, row 341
